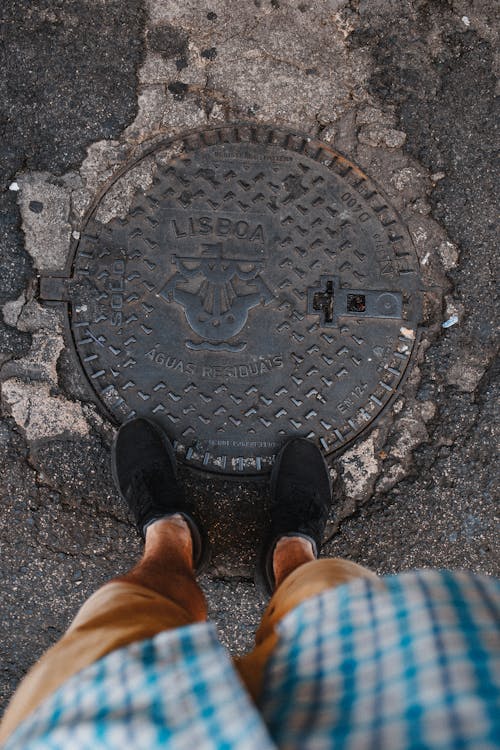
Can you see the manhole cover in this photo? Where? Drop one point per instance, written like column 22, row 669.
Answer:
column 253, row 285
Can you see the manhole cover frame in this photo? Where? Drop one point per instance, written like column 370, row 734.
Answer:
column 53, row 290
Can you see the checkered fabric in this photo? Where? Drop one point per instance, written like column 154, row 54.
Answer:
column 412, row 663
column 415, row 666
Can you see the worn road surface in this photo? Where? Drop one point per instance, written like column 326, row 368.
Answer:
column 406, row 90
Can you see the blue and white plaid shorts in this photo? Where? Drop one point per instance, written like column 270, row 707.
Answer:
column 414, row 663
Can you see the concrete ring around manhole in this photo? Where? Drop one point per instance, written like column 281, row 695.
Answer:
column 240, row 286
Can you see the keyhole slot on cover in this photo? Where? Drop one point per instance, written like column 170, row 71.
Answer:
column 356, row 303
column 323, row 302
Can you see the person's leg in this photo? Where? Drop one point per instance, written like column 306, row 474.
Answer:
column 158, row 594
column 167, row 566
column 290, row 552
column 303, row 579
column 289, row 565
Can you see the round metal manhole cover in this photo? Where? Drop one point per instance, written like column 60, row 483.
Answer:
column 239, row 286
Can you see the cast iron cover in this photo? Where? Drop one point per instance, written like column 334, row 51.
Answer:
column 258, row 287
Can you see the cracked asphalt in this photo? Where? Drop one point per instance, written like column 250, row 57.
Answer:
column 405, row 89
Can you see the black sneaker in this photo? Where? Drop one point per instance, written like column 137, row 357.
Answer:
column 301, row 500
column 145, row 473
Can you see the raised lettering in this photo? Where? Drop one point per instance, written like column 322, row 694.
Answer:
column 177, row 231
column 257, row 235
column 205, row 223
column 116, row 285
column 241, row 229
column 222, row 227
column 116, row 302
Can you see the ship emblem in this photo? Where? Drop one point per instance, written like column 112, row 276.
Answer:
column 217, row 294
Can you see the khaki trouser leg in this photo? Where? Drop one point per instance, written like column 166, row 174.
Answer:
column 121, row 613
column 116, row 615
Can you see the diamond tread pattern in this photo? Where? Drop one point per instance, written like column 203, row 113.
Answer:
column 205, row 306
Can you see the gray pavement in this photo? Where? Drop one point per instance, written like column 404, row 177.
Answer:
column 404, row 89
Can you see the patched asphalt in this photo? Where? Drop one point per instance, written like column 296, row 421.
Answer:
column 405, row 90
